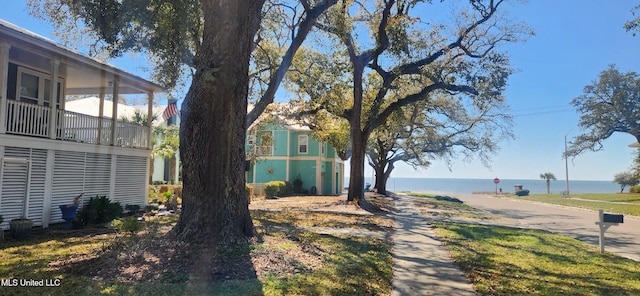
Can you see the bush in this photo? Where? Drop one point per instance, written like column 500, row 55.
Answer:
column 634, row 189
column 127, row 224
column 248, row 191
column 100, row 210
column 166, row 196
column 523, row 192
column 154, row 196
column 277, row 188
column 297, row 185
column 132, row 209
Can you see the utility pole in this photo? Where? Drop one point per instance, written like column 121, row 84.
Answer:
column 566, row 164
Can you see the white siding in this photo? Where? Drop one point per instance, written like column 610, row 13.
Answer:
column 72, row 172
column 97, row 174
column 130, row 184
column 14, row 184
column 68, row 181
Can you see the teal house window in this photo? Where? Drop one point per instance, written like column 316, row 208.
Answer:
column 303, row 144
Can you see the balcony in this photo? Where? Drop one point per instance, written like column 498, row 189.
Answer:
column 36, row 121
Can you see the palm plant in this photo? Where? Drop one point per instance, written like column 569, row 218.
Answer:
column 548, row 177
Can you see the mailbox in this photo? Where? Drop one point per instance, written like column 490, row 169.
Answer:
column 613, row 218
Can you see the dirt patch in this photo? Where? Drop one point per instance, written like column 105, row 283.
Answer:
column 374, row 204
column 338, row 204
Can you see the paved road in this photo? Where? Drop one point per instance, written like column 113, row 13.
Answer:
column 623, row 240
column 421, row 264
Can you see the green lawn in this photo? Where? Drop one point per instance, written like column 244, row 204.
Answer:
column 513, row 261
column 617, row 203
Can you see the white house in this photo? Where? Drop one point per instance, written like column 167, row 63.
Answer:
column 90, row 106
column 49, row 154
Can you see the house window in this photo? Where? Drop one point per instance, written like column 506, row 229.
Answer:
column 34, row 87
column 323, row 146
column 303, row 144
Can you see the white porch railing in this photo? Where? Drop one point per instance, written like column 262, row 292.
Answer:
column 33, row 120
column 27, row 119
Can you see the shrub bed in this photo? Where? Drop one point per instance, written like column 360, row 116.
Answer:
column 277, row 188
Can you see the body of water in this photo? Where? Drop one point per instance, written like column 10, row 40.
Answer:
column 486, row 185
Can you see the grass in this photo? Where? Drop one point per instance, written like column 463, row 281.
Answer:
column 353, row 266
column 617, row 203
column 514, row 261
column 349, row 265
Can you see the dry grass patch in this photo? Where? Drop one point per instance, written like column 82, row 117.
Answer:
column 286, row 261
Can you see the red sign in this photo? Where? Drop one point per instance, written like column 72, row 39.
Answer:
column 496, row 180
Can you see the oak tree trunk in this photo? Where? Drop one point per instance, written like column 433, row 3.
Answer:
column 215, row 209
column 358, row 137
column 383, row 172
column 356, row 176
column 381, row 186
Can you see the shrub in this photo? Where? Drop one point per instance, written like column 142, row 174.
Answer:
column 127, row 224
column 132, row 209
column 297, row 185
column 248, row 191
column 150, row 208
column 277, row 188
column 634, row 189
column 523, row 192
column 154, row 196
column 271, row 189
column 100, row 210
column 166, row 196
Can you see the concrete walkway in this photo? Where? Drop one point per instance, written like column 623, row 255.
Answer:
column 421, row 265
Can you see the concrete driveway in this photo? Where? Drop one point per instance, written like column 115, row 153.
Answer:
column 623, row 240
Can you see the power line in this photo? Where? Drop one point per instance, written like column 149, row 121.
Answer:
column 542, row 112
column 543, row 107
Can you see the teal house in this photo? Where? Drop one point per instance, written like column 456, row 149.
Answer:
column 288, row 152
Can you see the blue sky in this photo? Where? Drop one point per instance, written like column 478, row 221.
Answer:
column 574, row 42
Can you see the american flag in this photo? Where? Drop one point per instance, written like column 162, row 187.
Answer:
column 172, row 109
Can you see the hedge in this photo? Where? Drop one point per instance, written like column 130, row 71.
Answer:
column 277, row 188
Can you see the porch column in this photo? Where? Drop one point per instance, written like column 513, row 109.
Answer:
column 48, row 188
column 103, row 83
column 114, row 113
column 4, row 74
column 53, row 98
column 150, row 119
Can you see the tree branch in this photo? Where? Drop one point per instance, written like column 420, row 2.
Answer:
column 306, row 25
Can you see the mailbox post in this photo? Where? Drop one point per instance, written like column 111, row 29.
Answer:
column 605, row 221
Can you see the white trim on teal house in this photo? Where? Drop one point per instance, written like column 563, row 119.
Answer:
column 322, row 173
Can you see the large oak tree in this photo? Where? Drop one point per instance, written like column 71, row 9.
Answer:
column 212, row 42
column 442, row 128
column 389, row 43
column 609, row 105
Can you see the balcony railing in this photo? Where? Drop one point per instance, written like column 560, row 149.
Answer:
column 33, row 120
